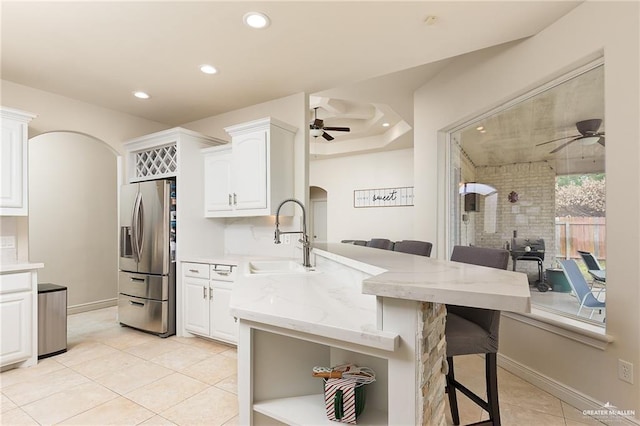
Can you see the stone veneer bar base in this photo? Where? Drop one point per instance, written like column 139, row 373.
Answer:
column 433, row 363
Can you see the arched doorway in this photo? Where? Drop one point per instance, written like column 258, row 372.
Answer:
column 73, row 216
column 318, row 200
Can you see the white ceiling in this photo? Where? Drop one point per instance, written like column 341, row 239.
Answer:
column 99, row 52
column 514, row 135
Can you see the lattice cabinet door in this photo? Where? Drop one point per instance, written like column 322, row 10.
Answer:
column 156, row 162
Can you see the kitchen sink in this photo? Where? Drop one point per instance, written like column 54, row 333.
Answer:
column 276, row 267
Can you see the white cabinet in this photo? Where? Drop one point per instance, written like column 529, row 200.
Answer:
column 207, row 294
column 18, row 316
column 255, row 174
column 164, row 154
column 14, row 162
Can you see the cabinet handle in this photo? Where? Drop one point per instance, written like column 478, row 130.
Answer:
column 195, row 271
column 235, row 199
column 229, row 199
column 210, row 293
column 204, row 292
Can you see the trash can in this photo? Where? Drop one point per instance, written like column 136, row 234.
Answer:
column 557, row 280
column 52, row 320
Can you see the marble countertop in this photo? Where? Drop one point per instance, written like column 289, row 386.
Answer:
column 432, row 280
column 338, row 299
column 20, row 267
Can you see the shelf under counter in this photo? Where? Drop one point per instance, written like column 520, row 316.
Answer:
column 309, row 410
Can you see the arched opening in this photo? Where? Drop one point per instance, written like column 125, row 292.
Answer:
column 318, row 210
column 73, row 216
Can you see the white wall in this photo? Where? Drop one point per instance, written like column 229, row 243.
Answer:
column 73, row 216
column 59, row 113
column 254, row 235
column 485, row 79
column 341, row 176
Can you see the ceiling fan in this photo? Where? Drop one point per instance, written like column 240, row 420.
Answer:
column 589, row 134
column 317, row 128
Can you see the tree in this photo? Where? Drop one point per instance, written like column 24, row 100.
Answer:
column 581, row 195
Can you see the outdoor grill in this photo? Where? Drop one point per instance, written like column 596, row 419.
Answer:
column 529, row 249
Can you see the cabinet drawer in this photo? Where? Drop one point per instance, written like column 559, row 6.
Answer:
column 10, row 283
column 223, row 272
column 195, row 270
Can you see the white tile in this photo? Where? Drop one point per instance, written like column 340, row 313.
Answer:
column 211, row 407
column 17, row 417
column 41, row 387
column 127, row 379
column 118, row 411
column 166, row 392
column 180, row 358
column 63, row 405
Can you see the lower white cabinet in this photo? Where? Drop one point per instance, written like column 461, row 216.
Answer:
column 207, row 294
column 18, row 316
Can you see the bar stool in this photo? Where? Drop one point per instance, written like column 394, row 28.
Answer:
column 475, row 331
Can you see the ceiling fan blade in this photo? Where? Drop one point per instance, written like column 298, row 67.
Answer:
column 317, row 123
column 563, row 145
column 601, row 140
column 327, row 136
column 559, row 139
column 338, row 129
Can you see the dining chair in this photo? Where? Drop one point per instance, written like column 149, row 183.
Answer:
column 581, row 288
column 381, row 243
column 422, row 248
column 471, row 330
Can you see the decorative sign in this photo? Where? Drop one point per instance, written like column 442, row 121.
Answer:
column 383, row 197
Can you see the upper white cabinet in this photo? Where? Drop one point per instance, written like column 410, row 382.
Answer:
column 14, row 162
column 164, row 154
column 255, row 174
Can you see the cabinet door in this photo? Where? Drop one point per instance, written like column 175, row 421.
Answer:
column 217, row 183
column 15, row 317
column 13, row 156
column 249, row 171
column 223, row 324
column 196, row 305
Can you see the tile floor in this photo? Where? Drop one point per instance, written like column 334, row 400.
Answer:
column 113, row 375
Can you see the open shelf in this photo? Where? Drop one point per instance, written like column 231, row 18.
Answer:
column 310, row 410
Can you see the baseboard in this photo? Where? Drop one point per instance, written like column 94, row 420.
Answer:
column 565, row 393
column 91, row 306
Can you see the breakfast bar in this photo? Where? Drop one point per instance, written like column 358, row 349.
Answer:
column 375, row 308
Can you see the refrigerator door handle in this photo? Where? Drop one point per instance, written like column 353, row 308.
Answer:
column 141, row 227
column 136, row 225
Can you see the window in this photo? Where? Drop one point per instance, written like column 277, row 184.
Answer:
column 529, row 177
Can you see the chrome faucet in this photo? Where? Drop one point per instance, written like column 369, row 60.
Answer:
column 306, row 245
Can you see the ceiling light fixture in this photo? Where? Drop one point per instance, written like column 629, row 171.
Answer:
column 589, row 140
column 208, row 69
column 256, row 20
column 385, row 124
column 316, row 132
column 141, row 95
column 480, row 128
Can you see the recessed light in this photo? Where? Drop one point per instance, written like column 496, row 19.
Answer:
column 141, row 95
column 480, row 128
column 208, row 69
column 385, row 124
column 256, row 20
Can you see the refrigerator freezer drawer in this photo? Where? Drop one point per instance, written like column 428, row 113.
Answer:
column 148, row 315
column 154, row 287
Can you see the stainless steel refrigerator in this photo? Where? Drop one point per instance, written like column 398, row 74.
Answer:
column 147, row 277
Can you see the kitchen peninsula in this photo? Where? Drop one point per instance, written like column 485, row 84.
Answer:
column 375, row 308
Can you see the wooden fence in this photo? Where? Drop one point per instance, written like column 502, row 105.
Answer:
column 580, row 233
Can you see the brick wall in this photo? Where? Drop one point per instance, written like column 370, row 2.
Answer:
column 533, row 215
column 432, row 364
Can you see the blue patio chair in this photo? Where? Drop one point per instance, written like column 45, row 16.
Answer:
column 592, row 264
column 580, row 287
